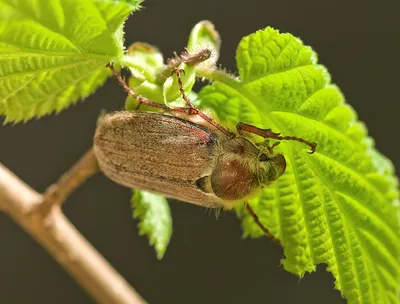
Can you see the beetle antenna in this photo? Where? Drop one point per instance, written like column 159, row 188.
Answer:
column 257, row 221
column 312, row 145
column 194, row 110
column 267, row 133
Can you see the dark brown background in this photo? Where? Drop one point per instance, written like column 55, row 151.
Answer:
column 206, row 262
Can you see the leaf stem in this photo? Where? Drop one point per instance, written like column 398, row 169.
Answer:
column 220, row 75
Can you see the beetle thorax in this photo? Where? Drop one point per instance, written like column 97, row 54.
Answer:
column 242, row 168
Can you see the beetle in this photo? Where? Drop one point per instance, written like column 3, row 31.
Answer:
column 180, row 159
column 184, row 154
column 187, row 155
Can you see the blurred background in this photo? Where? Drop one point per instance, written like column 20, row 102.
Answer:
column 207, row 261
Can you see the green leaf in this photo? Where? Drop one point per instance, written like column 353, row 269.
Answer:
column 155, row 219
column 153, row 79
column 54, row 52
column 338, row 206
column 204, row 35
column 145, row 62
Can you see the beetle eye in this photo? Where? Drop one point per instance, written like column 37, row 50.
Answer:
column 263, row 157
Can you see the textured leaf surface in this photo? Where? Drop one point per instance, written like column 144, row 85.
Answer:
column 54, row 52
column 338, row 206
column 155, row 219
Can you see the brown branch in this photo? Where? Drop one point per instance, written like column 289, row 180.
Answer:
column 57, row 193
column 61, row 239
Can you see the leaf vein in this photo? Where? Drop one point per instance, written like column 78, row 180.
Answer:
column 33, row 18
column 282, row 71
column 301, row 199
column 56, row 68
column 333, row 196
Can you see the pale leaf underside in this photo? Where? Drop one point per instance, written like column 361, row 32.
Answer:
column 155, row 219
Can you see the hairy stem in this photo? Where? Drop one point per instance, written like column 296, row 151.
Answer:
column 218, row 74
column 60, row 238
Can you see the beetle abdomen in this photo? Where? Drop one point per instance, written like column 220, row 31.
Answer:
column 156, row 152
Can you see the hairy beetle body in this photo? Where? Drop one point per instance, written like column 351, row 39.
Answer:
column 181, row 159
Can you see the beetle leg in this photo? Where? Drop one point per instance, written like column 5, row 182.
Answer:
column 140, row 98
column 194, row 110
column 257, row 221
column 178, row 73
